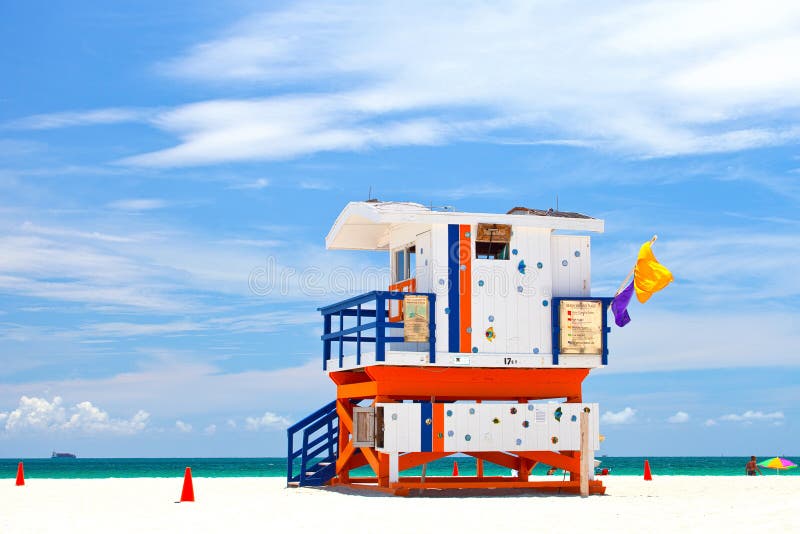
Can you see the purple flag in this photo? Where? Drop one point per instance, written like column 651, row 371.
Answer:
column 619, row 306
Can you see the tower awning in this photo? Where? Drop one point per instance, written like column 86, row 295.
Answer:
column 365, row 225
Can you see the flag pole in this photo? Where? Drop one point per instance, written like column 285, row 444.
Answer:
column 630, row 274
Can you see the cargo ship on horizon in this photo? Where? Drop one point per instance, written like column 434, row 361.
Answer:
column 62, row 455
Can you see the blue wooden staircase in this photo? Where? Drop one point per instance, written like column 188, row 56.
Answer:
column 311, row 461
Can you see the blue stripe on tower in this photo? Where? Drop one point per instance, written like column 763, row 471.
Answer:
column 426, row 427
column 453, row 344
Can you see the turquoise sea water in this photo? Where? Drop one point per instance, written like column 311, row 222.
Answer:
column 276, row 467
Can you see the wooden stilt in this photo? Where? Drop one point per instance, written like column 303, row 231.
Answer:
column 584, row 454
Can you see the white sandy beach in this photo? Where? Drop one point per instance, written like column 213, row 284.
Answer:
column 667, row 504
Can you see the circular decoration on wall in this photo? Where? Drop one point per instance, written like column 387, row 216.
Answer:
column 447, row 311
column 519, row 441
column 520, row 289
column 467, row 437
column 521, row 267
column 428, row 421
column 467, row 234
column 449, row 413
column 525, row 424
column 513, row 410
column 450, row 433
column 530, row 407
column 573, row 418
column 587, row 409
column 474, row 349
column 463, row 268
column 514, row 252
column 491, row 318
column 472, row 411
column 441, row 281
column 564, row 263
column 536, row 350
column 557, row 414
column 496, row 421
column 394, row 417
column 480, row 283
column 577, row 253
column 426, row 262
column 554, row 440
column 539, row 265
column 469, row 330
column 545, row 303
column 439, row 435
column 490, row 335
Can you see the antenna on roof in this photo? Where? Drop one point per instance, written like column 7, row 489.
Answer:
column 556, row 202
column 369, row 195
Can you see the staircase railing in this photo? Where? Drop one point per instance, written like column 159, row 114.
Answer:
column 313, row 463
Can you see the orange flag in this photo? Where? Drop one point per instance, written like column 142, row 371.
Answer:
column 649, row 276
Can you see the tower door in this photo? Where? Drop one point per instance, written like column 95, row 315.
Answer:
column 424, row 263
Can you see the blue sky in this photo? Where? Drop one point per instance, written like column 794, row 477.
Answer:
column 154, row 159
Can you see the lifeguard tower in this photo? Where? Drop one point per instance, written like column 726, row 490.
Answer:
column 479, row 346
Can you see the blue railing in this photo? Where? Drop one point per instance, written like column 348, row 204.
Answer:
column 359, row 307
column 318, row 449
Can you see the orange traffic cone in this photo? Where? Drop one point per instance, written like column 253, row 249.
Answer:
column 455, row 469
column 647, row 474
column 187, row 495
column 20, row 475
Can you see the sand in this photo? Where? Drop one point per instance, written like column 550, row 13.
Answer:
column 667, row 504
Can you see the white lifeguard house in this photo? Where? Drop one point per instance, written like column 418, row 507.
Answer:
column 482, row 309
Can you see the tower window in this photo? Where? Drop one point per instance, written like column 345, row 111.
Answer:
column 492, row 241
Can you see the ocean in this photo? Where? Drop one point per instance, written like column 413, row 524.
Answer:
column 276, row 467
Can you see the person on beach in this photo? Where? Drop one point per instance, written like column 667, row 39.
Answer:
column 752, row 467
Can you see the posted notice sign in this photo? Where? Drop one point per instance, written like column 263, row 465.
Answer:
column 415, row 318
column 581, row 323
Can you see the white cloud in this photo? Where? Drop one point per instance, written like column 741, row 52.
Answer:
column 268, row 420
column 36, row 414
column 619, row 418
column 29, row 227
column 182, row 426
column 210, row 430
column 141, row 329
column 128, row 264
column 678, row 417
column 138, row 204
column 260, row 183
column 616, row 76
column 633, row 83
column 168, row 388
column 315, row 185
column 48, row 121
column 658, row 339
column 751, row 415
column 231, row 423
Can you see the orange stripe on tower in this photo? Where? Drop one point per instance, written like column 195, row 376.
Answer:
column 465, row 285
column 438, row 427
